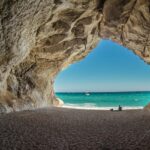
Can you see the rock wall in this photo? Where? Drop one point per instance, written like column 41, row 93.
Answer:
column 38, row 38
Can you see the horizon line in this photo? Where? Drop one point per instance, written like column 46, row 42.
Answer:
column 101, row 91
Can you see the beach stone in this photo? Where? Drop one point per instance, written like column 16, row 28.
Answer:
column 58, row 102
column 40, row 38
column 147, row 107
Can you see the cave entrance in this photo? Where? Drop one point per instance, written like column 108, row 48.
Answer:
column 109, row 76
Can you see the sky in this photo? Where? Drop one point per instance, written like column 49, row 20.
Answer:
column 110, row 67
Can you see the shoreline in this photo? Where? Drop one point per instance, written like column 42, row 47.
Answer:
column 73, row 106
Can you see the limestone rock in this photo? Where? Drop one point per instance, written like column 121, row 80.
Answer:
column 58, row 102
column 147, row 107
column 40, row 38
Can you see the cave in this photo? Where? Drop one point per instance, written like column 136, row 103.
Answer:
column 40, row 38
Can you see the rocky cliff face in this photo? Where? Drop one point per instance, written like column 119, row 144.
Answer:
column 38, row 38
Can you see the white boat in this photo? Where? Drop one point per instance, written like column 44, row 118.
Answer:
column 87, row 94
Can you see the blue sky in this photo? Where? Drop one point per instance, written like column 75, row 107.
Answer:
column 109, row 67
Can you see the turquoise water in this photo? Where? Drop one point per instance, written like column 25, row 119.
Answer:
column 105, row 100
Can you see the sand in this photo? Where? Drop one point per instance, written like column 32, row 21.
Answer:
column 68, row 129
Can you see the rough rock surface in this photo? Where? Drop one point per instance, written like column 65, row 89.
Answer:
column 38, row 38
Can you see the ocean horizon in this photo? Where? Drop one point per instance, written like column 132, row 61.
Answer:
column 105, row 100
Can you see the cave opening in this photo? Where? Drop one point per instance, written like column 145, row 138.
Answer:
column 109, row 76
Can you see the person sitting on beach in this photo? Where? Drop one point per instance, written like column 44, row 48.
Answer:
column 119, row 108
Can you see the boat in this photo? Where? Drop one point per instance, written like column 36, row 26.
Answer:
column 87, row 93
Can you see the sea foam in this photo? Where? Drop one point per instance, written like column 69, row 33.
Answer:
column 92, row 106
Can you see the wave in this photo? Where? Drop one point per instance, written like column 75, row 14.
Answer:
column 92, row 106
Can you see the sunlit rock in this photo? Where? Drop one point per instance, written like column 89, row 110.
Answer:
column 58, row 102
column 147, row 107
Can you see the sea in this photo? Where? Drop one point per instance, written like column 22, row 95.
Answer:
column 105, row 100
